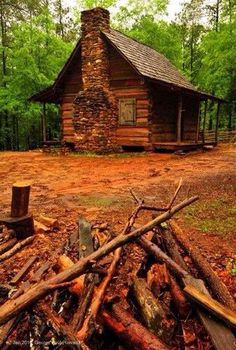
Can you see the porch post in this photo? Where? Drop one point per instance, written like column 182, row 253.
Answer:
column 44, row 131
column 198, row 122
column 179, row 118
column 204, row 121
column 217, row 121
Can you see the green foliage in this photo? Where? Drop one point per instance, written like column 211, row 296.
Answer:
column 34, row 59
column 161, row 36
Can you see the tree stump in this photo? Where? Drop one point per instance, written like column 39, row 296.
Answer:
column 20, row 199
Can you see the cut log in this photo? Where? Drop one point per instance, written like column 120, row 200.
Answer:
column 216, row 308
column 13, row 307
column 16, row 248
column 130, row 331
column 151, row 309
column 52, row 223
column 20, row 199
column 24, row 270
column 7, row 245
column 23, row 226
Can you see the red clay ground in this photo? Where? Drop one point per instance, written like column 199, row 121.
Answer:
column 65, row 187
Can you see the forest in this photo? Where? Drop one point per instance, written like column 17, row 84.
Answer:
column 38, row 36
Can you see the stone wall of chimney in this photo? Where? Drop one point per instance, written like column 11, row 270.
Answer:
column 95, row 108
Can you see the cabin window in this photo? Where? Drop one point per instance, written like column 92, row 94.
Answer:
column 127, row 111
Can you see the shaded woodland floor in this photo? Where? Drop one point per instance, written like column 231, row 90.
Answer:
column 65, row 187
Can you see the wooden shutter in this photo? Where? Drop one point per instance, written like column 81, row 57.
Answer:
column 127, row 111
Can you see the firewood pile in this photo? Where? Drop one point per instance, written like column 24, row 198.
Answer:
column 147, row 287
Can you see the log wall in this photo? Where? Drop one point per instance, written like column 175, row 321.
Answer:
column 165, row 111
column 126, row 83
column 71, row 86
column 190, row 118
column 165, row 107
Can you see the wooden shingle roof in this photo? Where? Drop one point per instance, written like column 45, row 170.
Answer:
column 147, row 61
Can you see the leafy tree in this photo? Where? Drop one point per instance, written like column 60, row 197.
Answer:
column 35, row 58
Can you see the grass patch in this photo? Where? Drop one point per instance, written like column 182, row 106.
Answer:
column 108, row 156
column 99, row 201
column 217, row 216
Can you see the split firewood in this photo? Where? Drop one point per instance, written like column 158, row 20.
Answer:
column 221, row 336
column 52, row 223
column 85, row 248
column 129, row 330
column 7, row 329
column 64, row 263
column 158, row 281
column 86, row 330
column 24, row 270
column 217, row 286
column 35, row 278
column 58, row 325
column 212, row 305
column 20, row 199
column 13, row 307
column 40, row 228
column 181, row 303
column 16, row 248
column 7, row 245
column 189, row 335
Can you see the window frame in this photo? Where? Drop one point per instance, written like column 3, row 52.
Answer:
column 134, row 102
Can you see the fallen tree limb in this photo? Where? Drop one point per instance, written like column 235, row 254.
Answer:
column 16, row 248
column 7, row 245
column 217, row 286
column 130, row 331
column 13, row 307
column 153, row 249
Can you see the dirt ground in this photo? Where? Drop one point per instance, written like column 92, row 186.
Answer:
column 97, row 187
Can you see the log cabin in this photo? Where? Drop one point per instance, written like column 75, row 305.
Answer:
column 114, row 92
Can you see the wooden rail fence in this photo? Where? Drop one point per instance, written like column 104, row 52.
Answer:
column 226, row 136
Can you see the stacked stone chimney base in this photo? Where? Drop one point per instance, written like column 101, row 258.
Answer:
column 95, row 121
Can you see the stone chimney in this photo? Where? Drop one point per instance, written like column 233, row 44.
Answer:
column 95, row 109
